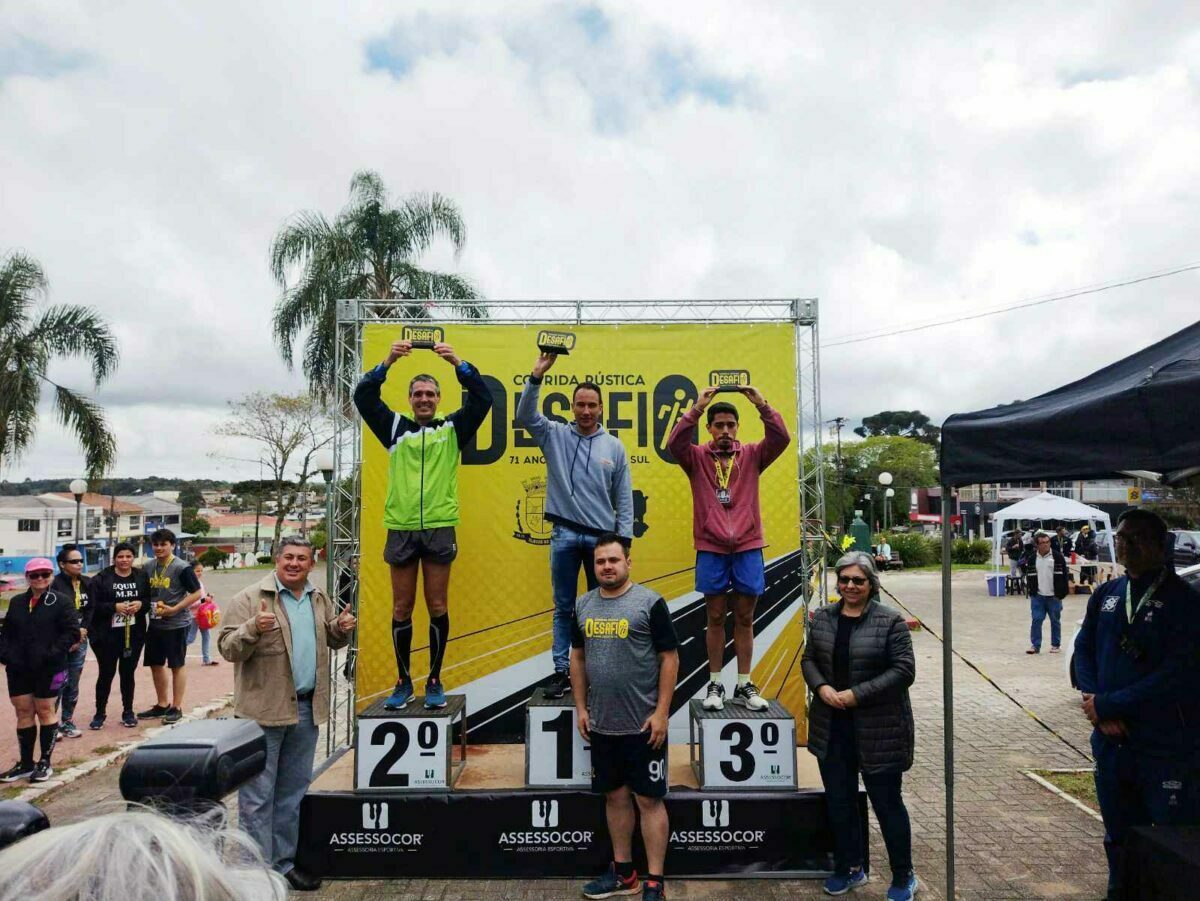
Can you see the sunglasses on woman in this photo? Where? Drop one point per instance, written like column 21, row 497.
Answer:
column 852, row 580
column 40, row 574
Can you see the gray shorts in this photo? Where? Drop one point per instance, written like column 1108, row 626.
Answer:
column 436, row 545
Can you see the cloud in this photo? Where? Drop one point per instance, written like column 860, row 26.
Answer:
column 21, row 56
column 900, row 164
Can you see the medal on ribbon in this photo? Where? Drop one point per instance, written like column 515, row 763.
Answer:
column 724, row 474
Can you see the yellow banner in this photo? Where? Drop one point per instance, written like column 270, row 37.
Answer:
column 500, row 596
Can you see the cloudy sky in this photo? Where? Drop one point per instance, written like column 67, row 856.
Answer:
column 902, row 163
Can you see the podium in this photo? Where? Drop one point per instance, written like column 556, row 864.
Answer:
column 556, row 755
column 410, row 750
column 743, row 750
column 399, row 803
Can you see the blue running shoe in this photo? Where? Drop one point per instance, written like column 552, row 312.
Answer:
column 608, row 884
column 435, row 695
column 653, row 891
column 837, row 884
column 904, row 892
column 401, row 697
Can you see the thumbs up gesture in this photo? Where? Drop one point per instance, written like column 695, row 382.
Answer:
column 265, row 621
column 346, row 620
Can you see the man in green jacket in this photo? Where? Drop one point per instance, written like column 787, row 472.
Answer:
column 421, row 507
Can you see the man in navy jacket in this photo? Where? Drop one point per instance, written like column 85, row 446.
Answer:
column 1137, row 661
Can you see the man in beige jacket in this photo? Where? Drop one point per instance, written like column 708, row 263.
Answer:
column 277, row 633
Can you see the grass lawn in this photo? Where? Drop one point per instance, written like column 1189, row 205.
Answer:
column 1080, row 786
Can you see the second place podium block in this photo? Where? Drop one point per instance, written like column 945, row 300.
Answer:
column 410, row 749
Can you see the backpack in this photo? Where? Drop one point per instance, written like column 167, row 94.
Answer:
column 208, row 615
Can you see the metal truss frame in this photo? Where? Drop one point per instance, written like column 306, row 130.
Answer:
column 352, row 315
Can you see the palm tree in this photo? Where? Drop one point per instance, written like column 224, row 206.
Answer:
column 29, row 342
column 369, row 251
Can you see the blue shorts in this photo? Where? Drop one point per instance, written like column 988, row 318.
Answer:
column 743, row 572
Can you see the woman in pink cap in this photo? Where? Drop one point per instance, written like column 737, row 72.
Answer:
column 39, row 630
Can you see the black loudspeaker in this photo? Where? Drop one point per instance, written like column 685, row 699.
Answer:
column 194, row 765
column 19, row 819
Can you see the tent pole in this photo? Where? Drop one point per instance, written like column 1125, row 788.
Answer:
column 948, row 690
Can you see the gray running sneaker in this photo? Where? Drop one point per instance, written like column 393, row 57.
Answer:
column 715, row 699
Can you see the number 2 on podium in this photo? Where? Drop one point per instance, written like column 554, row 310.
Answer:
column 382, row 776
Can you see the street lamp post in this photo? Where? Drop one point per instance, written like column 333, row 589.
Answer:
column 323, row 460
column 78, row 488
column 870, row 510
column 885, row 479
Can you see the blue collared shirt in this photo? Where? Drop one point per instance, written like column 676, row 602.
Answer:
column 304, row 635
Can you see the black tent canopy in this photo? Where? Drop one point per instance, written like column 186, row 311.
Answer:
column 1138, row 414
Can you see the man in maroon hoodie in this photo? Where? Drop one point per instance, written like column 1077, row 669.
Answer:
column 727, row 528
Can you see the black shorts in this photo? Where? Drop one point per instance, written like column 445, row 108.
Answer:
column 619, row 760
column 166, row 647
column 39, row 683
column 436, row 545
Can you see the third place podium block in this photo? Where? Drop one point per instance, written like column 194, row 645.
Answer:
column 740, row 749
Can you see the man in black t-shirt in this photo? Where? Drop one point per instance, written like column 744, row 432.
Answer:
column 174, row 588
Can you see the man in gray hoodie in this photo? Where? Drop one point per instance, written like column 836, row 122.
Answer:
column 589, row 492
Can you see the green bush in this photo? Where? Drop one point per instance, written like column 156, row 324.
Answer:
column 264, row 558
column 914, row 549
column 964, row 551
column 213, row 557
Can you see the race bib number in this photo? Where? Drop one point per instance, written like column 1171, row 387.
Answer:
column 121, row 620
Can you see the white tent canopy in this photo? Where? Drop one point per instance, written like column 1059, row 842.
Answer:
column 1047, row 506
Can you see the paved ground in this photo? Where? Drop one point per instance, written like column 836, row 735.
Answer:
column 205, row 685
column 1015, row 839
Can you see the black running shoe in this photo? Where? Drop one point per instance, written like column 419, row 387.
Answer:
column 129, row 719
column 18, row 771
column 97, row 721
column 153, row 713
column 559, row 685
column 41, row 771
column 173, row 715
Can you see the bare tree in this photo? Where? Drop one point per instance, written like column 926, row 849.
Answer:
column 288, row 430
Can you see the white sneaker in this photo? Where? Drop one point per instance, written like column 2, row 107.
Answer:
column 715, row 699
column 747, row 695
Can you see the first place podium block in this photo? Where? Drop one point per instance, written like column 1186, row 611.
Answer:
column 743, row 750
column 556, row 756
column 410, row 750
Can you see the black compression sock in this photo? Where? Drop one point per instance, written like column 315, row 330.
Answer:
column 650, row 877
column 25, row 740
column 439, row 634
column 624, row 869
column 46, row 739
column 402, row 644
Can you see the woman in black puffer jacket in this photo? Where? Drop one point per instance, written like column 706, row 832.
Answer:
column 858, row 662
column 41, row 626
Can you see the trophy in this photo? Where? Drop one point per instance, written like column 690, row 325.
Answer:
column 423, row 336
column 729, row 379
column 550, row 342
